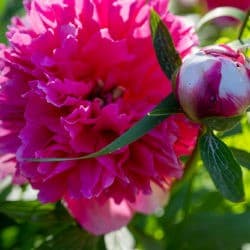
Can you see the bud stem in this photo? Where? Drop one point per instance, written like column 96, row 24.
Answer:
column 243, row 26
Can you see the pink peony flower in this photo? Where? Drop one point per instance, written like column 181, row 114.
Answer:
column 9, row 127
column 76, row 75
column 214, row 82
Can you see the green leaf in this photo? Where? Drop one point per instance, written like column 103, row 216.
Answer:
column 221, row 123
column 178, row 197
column 145, row 241
column 5, row 192
column 70, row 238
column 24, row 210
column 242, row 156
column 169, row 105
column 211, row 231
column 33, row 212
column 222, row 167
column 3, row 6
column 220, row 12
column 234, row 131
column 166, row 53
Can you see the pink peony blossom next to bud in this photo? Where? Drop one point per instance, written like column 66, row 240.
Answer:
column 75, row 76
column 214, row 82
column 9, row 128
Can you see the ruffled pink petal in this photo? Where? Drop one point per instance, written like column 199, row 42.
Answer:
column 151, row 203
column 99, row 217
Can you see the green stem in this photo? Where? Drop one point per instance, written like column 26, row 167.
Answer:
column 187, row 200
column 243, row 26
column 192, row 161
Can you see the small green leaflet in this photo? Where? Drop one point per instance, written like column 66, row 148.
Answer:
column 166, row 53
column 243, row 157
column 221, row 123
column 222, row 167
column 169, row 106
column 221, row 12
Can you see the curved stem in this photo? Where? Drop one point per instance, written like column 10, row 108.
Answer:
column 191, row 163
column 188, row 178
column 244, row 24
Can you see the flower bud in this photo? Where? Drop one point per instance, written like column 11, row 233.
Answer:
column 213, row 86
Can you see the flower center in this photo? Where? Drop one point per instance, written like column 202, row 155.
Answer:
column 106, row 95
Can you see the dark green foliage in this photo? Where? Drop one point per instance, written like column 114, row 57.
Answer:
column 222, row 167
column 166, row 53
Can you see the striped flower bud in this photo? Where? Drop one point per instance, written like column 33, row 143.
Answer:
column 213, row 86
